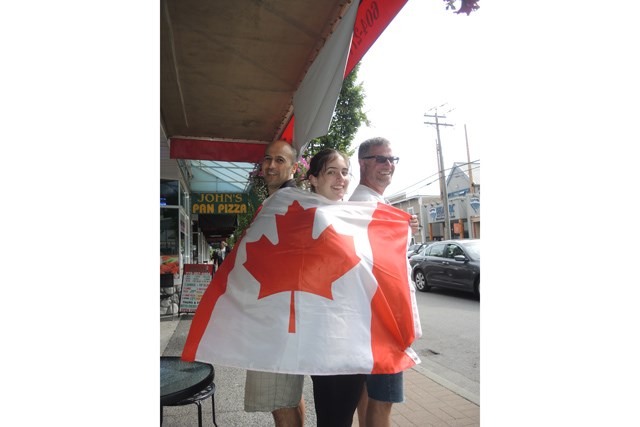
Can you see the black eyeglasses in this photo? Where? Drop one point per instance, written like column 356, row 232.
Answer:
column 383, row 159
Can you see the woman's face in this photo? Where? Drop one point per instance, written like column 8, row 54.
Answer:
column 333, row 181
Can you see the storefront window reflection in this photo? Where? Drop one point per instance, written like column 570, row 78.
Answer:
column 169, row 192
column 169, row 244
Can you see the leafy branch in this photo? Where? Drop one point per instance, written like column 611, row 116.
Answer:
column 466, row 6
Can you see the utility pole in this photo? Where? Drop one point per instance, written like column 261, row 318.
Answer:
column 443, row 185
column 472, row 233
column 468, row 160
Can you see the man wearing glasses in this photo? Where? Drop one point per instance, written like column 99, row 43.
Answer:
column 381, row 391
column 377, row 164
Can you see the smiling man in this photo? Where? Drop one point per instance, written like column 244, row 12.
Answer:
column 280, row 394
column 377, row 165
column 278, row 166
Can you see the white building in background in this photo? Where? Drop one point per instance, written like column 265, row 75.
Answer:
column 463, row 192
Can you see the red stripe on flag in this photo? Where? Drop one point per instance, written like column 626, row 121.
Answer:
column 392, row 329
column 292, row 314
column 216, row 288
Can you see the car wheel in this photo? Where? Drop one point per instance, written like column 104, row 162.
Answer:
column 421, row 281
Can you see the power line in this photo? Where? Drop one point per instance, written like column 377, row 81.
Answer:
column 430, row 176
column 429, row 183
column 405, row 190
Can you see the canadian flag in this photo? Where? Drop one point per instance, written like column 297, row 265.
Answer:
column 314, row 287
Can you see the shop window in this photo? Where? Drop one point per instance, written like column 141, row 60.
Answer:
column 169, row 244
column 169, row 192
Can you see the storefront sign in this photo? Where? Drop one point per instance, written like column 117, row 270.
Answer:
column 474, row 202
column 195, row 280
column 436, row 213
column 218, row 203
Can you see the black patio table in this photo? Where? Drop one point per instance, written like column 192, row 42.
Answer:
column 180, row 380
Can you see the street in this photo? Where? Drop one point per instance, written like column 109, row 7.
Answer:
column 450, row 343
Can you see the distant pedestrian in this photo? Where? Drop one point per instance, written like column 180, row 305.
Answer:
column 219, row 255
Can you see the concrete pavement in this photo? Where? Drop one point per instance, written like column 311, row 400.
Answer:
column 429, row 399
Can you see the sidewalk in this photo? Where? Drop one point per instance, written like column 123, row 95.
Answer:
column 427, row 402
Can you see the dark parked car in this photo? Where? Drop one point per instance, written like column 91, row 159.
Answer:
column 453, row 264
column 414, row 249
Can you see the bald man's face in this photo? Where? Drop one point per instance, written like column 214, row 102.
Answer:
column 278, row 165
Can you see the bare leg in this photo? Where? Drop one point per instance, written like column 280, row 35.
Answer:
column 289, row 417
column 301, row 409
column 378, row 413
column 362, row 407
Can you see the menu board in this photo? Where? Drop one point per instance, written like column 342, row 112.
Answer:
column 195, row 280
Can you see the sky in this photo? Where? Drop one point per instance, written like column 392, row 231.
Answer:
column 542, row 86
column 420, row 62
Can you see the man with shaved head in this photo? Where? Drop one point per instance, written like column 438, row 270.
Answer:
column 278, row 165
column 280, row 394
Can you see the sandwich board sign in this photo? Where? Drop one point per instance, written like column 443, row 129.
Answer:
column 195, row 280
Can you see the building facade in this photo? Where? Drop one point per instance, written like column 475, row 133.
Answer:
column 463, row 197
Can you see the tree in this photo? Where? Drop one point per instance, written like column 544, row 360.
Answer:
column 257, row 192
column 466, row 6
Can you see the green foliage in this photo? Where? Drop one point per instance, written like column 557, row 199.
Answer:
column 466, row 6
column 256, row 194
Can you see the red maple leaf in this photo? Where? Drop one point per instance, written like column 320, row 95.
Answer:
column 298, row 262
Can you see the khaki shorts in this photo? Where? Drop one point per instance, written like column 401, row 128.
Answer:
column 268, row 391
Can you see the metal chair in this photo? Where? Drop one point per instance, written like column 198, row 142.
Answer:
column 197, row 400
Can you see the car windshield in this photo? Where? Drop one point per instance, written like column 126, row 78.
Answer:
column 473, row 248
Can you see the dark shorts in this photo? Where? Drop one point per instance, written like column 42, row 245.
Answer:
column 386, row 387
